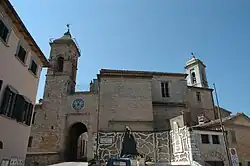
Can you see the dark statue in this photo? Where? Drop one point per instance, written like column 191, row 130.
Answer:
column 128, row 144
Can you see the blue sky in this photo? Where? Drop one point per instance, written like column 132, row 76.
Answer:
column 151, row 35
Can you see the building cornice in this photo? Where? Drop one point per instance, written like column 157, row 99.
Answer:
column 202, row 88
column 169, row 104
column 133, row 73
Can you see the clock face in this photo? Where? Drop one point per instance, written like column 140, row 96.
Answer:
column 78, row 104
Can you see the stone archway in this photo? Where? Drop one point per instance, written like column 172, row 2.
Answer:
column 72, row 143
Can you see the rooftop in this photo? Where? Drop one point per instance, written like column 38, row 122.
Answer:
column 193, row 61
column 112, row 72
column 217, row 121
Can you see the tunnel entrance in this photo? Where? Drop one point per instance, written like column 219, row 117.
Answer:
column 76, row 143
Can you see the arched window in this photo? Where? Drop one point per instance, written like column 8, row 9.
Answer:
column 1, row 145
column 60, row 62
column 193, row 76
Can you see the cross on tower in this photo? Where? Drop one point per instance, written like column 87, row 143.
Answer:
column 68, row 26
column 192, row 54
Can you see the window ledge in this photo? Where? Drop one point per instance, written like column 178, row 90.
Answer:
column 22, row 123
column 9, row 118
column 20, row 61
column 32, row 73
column 5, row 43
column 6, row 117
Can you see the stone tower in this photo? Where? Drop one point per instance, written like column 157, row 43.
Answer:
column 48, row 128
column 195, row 69
column 61, row 76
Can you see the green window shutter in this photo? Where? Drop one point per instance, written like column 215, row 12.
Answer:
column 18, row 108
column 5, row 101
column 30, row 111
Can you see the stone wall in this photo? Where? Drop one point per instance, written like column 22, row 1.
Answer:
column 204, row 106
column 241, row 143
column 162, row 114
column 177, row 89
column 125, row 100
column 43, row 159
column 152, row 145
column 202, row 152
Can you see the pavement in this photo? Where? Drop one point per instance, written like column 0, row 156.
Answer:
column 71, row 164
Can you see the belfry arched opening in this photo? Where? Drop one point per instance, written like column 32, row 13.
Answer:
column 76, row 142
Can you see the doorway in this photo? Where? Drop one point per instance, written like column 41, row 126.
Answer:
column 72, row 143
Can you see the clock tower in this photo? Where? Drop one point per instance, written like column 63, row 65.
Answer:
column 59, row 85
column 61, row 76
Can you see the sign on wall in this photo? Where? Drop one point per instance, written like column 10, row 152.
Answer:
column 106, row 140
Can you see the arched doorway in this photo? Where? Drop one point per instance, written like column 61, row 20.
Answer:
column 72, row 144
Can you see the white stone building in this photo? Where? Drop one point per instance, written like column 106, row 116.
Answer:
column 142, row 100
column 21, row 62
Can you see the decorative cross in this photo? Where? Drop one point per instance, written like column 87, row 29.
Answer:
column 192, row 54
column 68, row 26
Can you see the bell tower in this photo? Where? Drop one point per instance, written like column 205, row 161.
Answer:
column 195, row 69
column 61, row 76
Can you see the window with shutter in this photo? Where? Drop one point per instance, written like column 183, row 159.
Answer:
column 17, row 114
column 1, row 145
column 25, row 120
column 33, row 118
column 25, row 110
column 30, row 110
column 8, row 101
column 4, row 31
column 21, row 54
column 1, row 83
column 33, row 67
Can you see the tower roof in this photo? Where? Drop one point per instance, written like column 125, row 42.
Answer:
column 67, row 35
column 193, row 61
column 67, row 38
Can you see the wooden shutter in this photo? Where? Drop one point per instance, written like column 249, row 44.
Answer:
column 1, row 83
column 25, row 119
column 18, row 107
column 5, row 101
column 33, row 117
column 29, row 114
column 24, row 110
